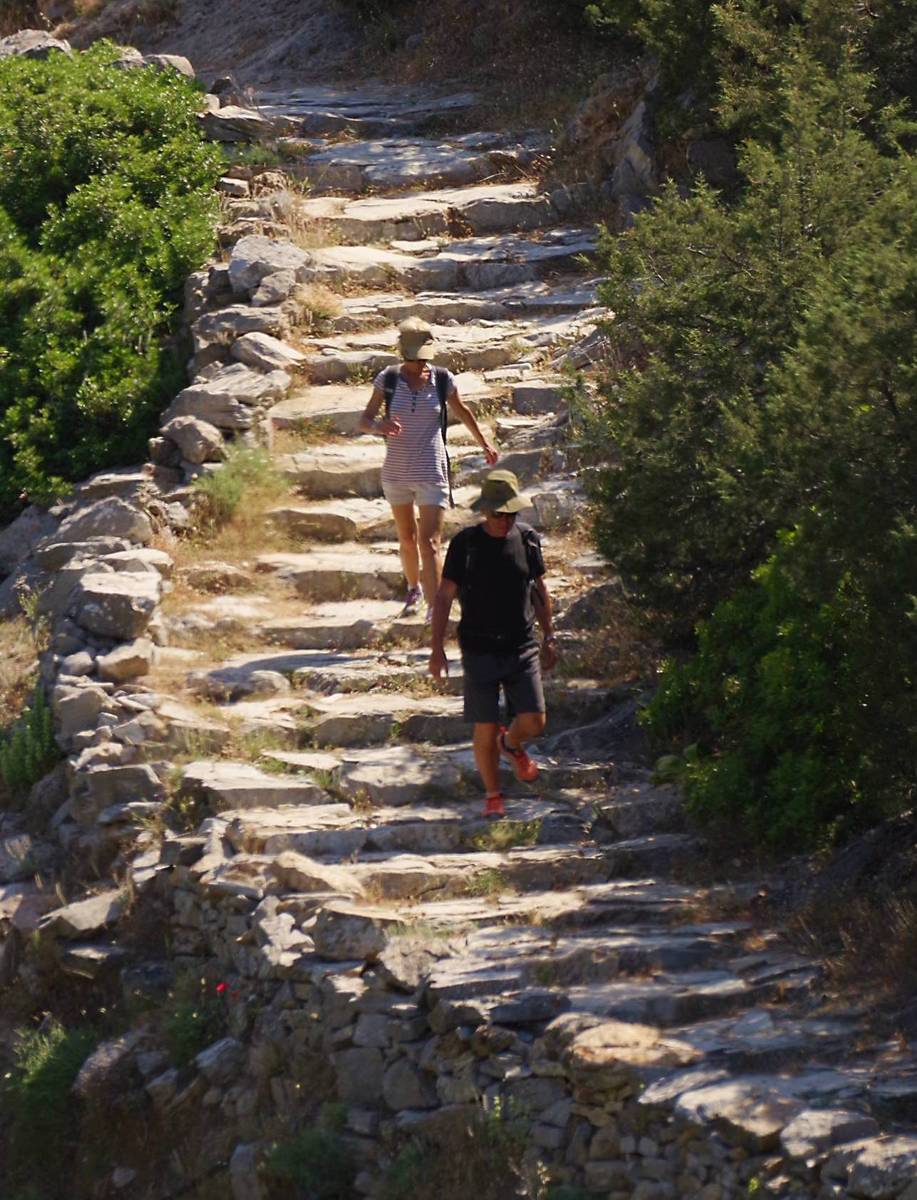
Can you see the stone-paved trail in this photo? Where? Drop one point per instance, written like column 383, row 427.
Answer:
column 581, row 961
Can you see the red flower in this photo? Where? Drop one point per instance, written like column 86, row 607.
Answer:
column 221, row 988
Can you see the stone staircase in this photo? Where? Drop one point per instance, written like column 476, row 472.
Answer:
column 581, row 962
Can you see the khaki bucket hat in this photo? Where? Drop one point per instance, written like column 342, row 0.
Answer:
column 416, row 339
column 500, row 494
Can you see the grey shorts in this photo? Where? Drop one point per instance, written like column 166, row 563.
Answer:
column 517, row 672
column 424, row 495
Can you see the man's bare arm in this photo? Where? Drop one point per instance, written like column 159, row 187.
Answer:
column 541, row 602
column 442, row 606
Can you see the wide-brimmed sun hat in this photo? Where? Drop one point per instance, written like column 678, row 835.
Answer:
column 500, row 494
column 416, row 339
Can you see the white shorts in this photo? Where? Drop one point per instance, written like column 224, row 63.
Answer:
column 424, row 495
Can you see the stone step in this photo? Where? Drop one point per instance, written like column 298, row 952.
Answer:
column 367, row 112
column 512, row 958
column 349, row 469
column 474, row 347
column 348, row 520
column 455, row 212
column 375, row 719
column 399, row 775
column 473, row 263
column 499, row 304
column 232, row 785
column 393, row 163
column 337, row 831
column 336, row 408
column 346, row 572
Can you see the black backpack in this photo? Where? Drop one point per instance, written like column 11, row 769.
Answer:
column 440, row 379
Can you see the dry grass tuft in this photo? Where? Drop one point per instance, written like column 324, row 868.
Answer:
column 18, row 654
column 315, row 307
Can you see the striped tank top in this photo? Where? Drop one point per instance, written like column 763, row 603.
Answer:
column 417, row 454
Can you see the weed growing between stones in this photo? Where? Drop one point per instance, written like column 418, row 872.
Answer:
column 317, row 1163
column 39, row 1113
column 196, row 1017
column 504, row 835
column 489, row 883
column 246, row 471
column 28, row 750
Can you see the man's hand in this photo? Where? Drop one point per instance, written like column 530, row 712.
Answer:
column 439, row 664
column 549, row 655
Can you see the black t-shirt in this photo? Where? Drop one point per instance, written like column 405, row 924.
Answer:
column 494, row 577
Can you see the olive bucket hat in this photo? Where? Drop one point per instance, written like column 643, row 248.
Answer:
column 500, row 494
column 416, row 340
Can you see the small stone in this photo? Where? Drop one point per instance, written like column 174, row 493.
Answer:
column 127, row 662
column 222, row 1062
column 198, row 441
column 122, row 1177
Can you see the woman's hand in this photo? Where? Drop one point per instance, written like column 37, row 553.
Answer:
column 387, row 426
column 490, row 453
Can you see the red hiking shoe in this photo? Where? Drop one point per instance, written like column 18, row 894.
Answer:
column 523, row 768
column 493, row 806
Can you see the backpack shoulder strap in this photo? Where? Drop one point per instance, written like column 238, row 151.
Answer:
column 389, row 384
column 441, row 383
column 532, row 543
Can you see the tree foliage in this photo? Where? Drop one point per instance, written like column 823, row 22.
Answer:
column 762, row 407
column 106, row 204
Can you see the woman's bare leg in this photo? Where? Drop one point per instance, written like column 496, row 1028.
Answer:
column 406, row 526
column 430, row 539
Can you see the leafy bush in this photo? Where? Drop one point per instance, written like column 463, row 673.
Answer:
column 109, row 207
column 196, row 1018
column 28, row 750
column 36, row 1101
column 708, row 298
column 316, row 1165
column 246, row 471
column 799, row 704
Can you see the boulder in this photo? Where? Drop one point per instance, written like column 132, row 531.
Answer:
column 884, row 1168
column 360, row 1072
column 267, row 353
column 76, row 709
column 222, row 1062
column 221, row 328
column 243, row 1173
column 170, row 62
column 116, row 605
column 18, row 538
column 274, row 289
column 227, row 398
column 107, row 1067
column 156, row 562
column 198, row 441
column 32, row 43
column 126, row 662
column 85, row 918
column 403, row 1087
column 239, row 189
column 235, row 124
column 53, row 555
column 108, row 518
column 255, row 257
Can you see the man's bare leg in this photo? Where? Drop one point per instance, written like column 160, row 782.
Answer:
column 487, row 756
column 524, row 727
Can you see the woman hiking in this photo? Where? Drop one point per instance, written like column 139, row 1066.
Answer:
column 409, row 407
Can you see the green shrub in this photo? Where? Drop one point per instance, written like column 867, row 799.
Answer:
column 39, row 1109
column 109, row 207
column 196, row 1017
column 316, row 1165
column 28, row 750
column 246, row 471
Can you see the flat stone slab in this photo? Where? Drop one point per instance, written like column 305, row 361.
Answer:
column 486, row 208
column 347, row 624
column 341, row 573
column 477, row 347
column 534, row 298
column 349, row 469
column 474, row 263
column 352, row 519
column 402, row 162
column 321, row 109
column 233, row 785
column 363, row 720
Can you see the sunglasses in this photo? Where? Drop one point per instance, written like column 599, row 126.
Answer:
column 504, row 516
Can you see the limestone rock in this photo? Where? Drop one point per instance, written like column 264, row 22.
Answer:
column 243, row 1173
column 254, row 258
column 221, row 328
column 266, row 352
column 815, row 1130
column 343, row 933
column 52, row 555
column 170, row 62
column 76, row 709
column 20, row 536
column 403, row 1086
column 222, row 1062
column 108, row 518
column 235, row 124
column 229, row 684
column 117, row 605
column 884, row 1168
column 274, row 289
column 142, row 558
column 106, row 1067
column 239, row 785
column 32, row 43
column 227, row 398
column 240, row 189
column 215, row 577
column 360, row 1072
column 126, row 662
column 198, row 441
column 297, row 873
column 85, row 918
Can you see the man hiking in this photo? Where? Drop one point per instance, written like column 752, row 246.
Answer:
column 497, row 571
